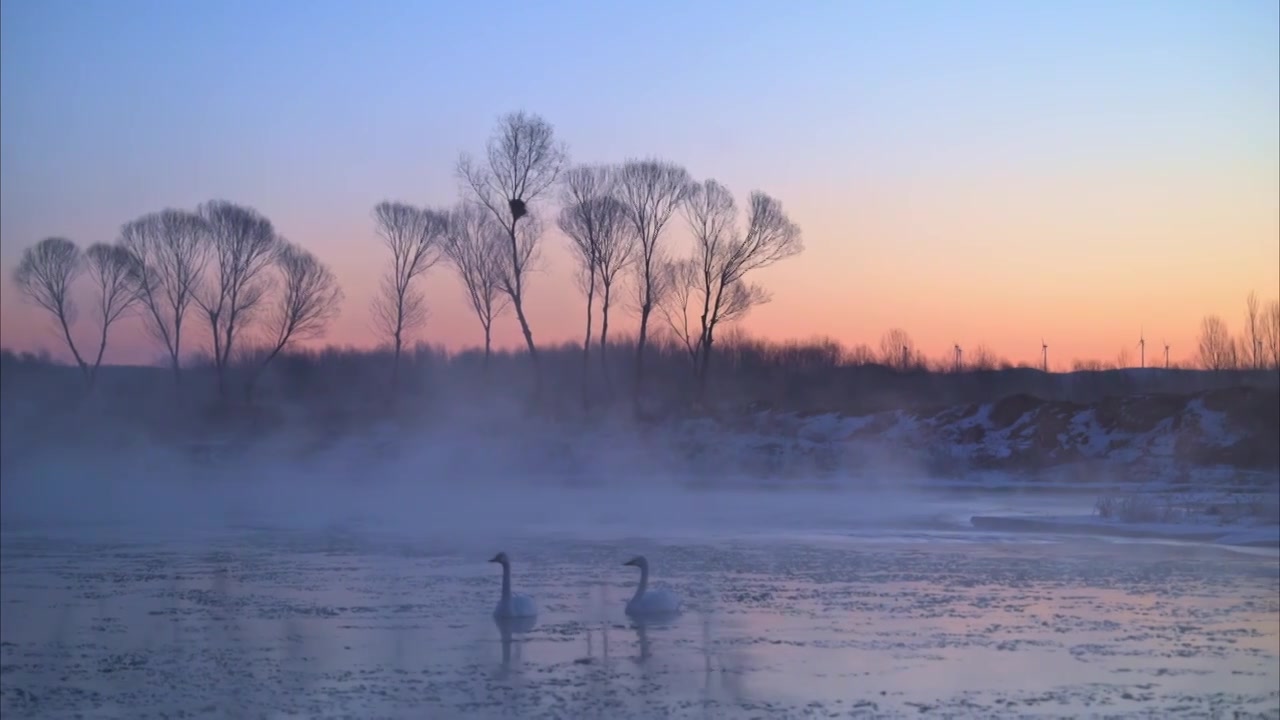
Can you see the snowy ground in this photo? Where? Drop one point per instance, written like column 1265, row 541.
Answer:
column 802, row 616
column 1156, row 436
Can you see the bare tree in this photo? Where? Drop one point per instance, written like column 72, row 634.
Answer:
column 725, row 256
column 1253, row 331
column 583, row 187
column 983, row 358
column 860, row 354
column 682, row 287
column 242, row 245
column 662, row 292
column 523, row 160
column 1216, row 348
column 651, row 190
column 309, row 299
column 475, row 248
column 45, row 275
column 593, row 219
column 614, row 254
column 898, row 350
column 415, row 238
column 111, row 267
column 680, row 279
column 169, row 250
column 1271, row 334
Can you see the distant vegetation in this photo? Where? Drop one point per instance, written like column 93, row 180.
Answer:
column 650, row 240
column 354, row 387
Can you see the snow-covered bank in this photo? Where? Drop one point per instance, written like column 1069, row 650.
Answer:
column 1154, row 436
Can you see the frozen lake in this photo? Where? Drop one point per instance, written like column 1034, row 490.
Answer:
column 356, row 621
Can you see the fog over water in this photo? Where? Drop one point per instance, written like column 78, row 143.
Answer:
column 348, row 578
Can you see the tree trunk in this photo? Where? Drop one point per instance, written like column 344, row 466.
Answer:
column 528, row 339
column 703, row 366
column 175, row 352
column 586, row 348
column 705, row 321
column 604, row 342
column 517, row 299
column 217, row 352
column 640, row 343
column 66, row 332
column 226, row 352
column 176, row 366
column 97, row 362
column 395, row 362
column 524, row 328
column 487, row 348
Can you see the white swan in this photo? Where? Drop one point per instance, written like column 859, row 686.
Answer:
column 650, row 602
column 509, row 605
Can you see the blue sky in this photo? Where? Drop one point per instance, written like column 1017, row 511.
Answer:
column 315, row 111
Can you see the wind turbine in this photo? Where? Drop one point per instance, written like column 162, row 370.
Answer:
column 959, row 355
column 1142, row 349
column 1044, row 352
column 1166, row 354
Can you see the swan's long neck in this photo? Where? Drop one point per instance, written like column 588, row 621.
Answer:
column 644, row 581
column 506, row 583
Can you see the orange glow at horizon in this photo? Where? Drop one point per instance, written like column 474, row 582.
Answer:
column 1085, row 265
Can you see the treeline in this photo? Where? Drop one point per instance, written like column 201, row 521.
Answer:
column 347, row 389
column 1256, row 347
column 224, row 267
column 648, row 240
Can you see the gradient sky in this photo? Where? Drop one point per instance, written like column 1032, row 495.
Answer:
column 976, row 172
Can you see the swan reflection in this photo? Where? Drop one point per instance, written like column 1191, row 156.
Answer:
column 642, row 624
column 508, row 628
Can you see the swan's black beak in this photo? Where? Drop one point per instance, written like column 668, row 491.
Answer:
column 495, row 558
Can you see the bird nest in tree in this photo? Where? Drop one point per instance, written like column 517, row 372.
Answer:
column 518, row 209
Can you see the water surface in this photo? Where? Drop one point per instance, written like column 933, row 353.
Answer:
column 356, row 621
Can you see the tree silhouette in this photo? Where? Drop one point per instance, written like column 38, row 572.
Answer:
column 724, row 256
column 1215, row 346
column 593, row 219
column 170, row 250
column 898, row 350
column 111, row 267
column 309, row 299
column 1271, row 333
column 242, row 247
column 44, row 276
column 415, row 238
column 1253, row 331
column 523, row 160
column 651, row 191
column 475, row 247
column 679, row 279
